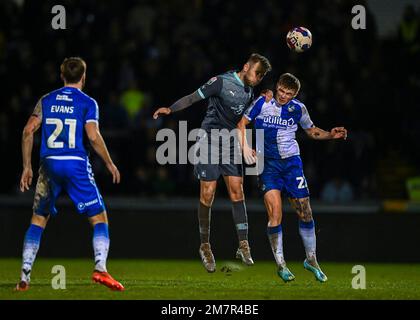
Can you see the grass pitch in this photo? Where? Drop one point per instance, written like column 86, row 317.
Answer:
column 187, row 279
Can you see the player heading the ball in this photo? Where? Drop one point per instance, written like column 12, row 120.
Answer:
column 228, row 94
column 283, row 168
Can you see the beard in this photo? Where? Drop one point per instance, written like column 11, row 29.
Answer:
column 248, row 82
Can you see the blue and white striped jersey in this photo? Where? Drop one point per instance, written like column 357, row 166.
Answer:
column 279, row 123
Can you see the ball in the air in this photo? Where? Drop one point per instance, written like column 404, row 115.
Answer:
column 299, row 39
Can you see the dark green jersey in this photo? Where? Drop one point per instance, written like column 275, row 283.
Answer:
column 228, row 98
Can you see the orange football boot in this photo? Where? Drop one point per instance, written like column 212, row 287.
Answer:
column 106, row 279
column 22, row 286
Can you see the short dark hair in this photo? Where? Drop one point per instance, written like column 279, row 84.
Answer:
column 264, row 62
column 72, row 69
column 289, row 81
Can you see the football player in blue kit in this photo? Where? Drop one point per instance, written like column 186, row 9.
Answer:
column 283, row 169
column 66, row 117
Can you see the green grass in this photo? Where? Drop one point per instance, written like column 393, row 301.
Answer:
column 184, row 279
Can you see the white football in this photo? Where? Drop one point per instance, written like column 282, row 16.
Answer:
column 299, row 39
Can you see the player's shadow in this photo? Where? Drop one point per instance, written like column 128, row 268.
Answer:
column 229, row 267
column 8, row 284
column 12, row 286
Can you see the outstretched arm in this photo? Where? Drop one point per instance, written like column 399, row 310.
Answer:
column 319, row 134
column 31, row 127
column 98, row 144
column 179, row 105
column 212, row 87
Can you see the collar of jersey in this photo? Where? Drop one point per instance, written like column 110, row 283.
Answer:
column 276, row 103
column 71, row 88
column 237, row 78
column 281, row 105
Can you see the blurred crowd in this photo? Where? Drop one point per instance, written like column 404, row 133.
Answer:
column 146, row 54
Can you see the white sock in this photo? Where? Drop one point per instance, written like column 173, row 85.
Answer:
column 101, row 246
column 275, row 236
column 30, row 249
column 307, row 232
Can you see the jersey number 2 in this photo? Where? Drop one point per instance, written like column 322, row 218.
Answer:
column 302, row 182
column 51, row 143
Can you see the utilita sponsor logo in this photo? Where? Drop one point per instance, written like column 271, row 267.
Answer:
column 278, row 120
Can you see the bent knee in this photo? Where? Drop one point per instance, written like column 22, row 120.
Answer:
column 236, row 194
column 207, row 196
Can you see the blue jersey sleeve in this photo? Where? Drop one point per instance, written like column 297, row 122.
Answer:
column 255, row 109
column 92, row 114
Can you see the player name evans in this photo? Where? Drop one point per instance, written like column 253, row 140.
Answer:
column 62, row 109
column 212, row 309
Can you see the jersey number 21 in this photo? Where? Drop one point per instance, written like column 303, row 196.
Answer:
column 52, row 143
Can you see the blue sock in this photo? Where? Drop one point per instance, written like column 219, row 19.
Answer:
column 30, row 249
column 275, row 236
column 100, row 245
column 307, row 232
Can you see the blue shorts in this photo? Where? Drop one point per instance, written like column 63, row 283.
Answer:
column 75, row 177
column 285, row 175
